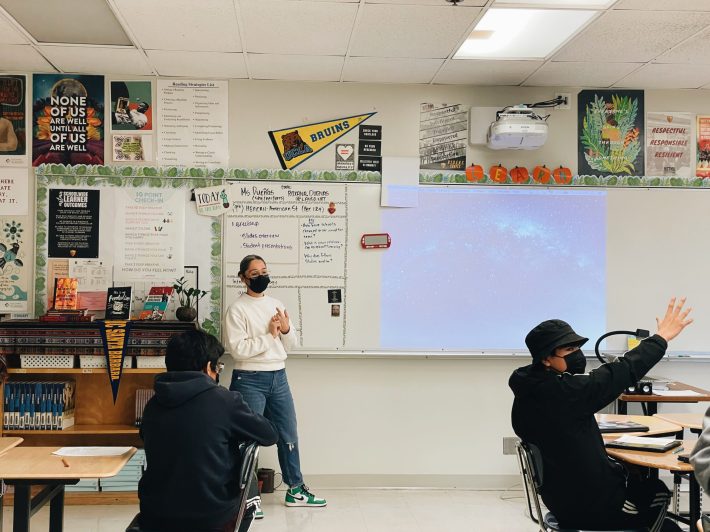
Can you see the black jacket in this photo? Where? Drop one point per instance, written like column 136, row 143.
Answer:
column 191, row 430
column 581, row 485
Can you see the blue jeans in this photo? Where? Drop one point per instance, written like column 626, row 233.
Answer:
column 268, row 393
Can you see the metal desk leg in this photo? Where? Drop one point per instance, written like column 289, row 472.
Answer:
column 56, row 511
column 652, row 408
column 621, row 406
column 676, row 493
column 21, row 509
column 694, row 500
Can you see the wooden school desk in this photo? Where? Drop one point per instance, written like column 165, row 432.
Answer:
column 5, row 445
column 656, row 426
column 692, row 422
column 650, row 402
column 668, row 461
column 23, row 467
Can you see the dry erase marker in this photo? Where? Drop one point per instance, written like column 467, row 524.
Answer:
column 678, row 450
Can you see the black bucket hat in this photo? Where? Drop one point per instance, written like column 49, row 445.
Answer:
column 549, row 335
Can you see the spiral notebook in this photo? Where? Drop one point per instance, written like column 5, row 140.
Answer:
column 643, row 443
column 607, row 427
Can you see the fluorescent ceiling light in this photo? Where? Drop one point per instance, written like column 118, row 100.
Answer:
column 521, row 33
column 594, row 4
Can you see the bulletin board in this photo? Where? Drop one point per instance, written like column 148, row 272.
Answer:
column 125, row 226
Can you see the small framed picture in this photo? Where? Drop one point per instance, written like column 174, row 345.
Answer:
column 335, row 310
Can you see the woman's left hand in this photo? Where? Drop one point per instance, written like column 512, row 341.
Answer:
column 282, row 315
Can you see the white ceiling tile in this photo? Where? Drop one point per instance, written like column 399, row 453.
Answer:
column 564, row 74
column 23, row 58
column 198, row 64
column 68, row 21
column 632, row 36
column 306, row 28
column 664, row 5
column 464, row 3
column 97, row 60
column 410, row 31
column 474, row 72
column 210, row 25
column 695, row 51
column 295, row 67
column 9, row 35
column 657, row 76
column 389, row 70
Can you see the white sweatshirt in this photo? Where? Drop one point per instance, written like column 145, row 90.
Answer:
column 246, row 329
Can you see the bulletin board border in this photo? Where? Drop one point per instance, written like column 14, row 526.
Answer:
column 50, row 175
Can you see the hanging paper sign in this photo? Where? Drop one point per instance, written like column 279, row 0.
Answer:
column 702, row 163
column 297, row 144
column 212, row 201
column 668, row 144
column 114, row 334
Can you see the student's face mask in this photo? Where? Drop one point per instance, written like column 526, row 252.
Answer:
column 258, row 284
column 576, row 363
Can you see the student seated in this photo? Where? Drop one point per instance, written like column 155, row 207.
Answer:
column 700, row 457
column 554, row 409
column 192, row 428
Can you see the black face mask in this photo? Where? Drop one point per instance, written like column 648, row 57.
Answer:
column 258, row 284
column 576, row 363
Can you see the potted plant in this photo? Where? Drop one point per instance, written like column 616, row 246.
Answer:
column 188, row 299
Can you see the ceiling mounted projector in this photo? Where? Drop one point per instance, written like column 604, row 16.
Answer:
column 519, row 127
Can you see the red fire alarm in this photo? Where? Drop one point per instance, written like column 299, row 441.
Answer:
column 375, row 241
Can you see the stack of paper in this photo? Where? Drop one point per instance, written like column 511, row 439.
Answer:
column 85, row 484
column 127, row 479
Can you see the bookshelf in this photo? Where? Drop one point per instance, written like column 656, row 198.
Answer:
column 98, row 421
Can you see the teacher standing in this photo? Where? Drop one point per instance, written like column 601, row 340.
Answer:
column 259, row 335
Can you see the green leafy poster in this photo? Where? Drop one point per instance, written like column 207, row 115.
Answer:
column 611, row 132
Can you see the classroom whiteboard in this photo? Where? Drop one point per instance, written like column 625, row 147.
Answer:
column 471, row 269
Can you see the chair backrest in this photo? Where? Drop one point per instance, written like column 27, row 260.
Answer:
column 250, row 454
column 530, row 462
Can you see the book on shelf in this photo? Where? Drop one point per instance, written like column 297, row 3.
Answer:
column 66, row 293
column 156, row 303
column 36, row 405
column 118, row 303
column 143, row 395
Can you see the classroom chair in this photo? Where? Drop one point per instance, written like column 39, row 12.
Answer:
column 247, row 472
column 530, row 462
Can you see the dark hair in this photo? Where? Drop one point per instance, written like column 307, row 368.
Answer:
column 192, row 350
column 246, row 261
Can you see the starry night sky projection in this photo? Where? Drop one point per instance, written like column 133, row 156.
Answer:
column 478, row 268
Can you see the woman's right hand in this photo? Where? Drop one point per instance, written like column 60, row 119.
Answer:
column 675, row 320
column 274, row 326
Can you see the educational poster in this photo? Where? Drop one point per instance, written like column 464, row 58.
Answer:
column 345, row 157
column 15, row 243
column 610, row 129
column 193, row 123
column 702, row 165
column 73, row 230
column 295, row 145
column 131, row 106
column 94, row 279
column 149, row 234
column 369, row 148
column 668, row 144
column 130, row 148
column 13, row 129
column 443, row 135
column 14, row 191
column 301, row 230
column 68, row 119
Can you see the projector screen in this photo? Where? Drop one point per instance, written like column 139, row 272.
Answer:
column 476, row 268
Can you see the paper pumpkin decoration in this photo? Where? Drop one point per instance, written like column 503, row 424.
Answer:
column 475, row 173
column 562, row 175
column 542, row 174
column 520, row 175
column 499, row 173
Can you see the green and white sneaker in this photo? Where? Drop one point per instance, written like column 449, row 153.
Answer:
column 258, row 512
column 300, row 496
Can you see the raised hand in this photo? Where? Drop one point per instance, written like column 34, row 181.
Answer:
column 282, row 316
column 274, row 326
column 675, row 320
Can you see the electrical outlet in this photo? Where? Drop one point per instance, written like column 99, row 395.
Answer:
column 568, row 99
column 509, row 444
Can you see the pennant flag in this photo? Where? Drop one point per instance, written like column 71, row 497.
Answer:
column 296, row 144
column 114, row 334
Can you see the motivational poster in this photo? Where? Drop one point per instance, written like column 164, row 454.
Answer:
column 73, row 230
column 13, row 129
column 668, row 144
column 702, row 164
column 68, row 119
column 131, row 106
column 443, row 135
column 15, row 246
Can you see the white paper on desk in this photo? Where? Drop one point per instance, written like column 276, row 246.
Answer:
column 91, row 451
column 644, row 440
column 676, row 393
column 400, row 182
